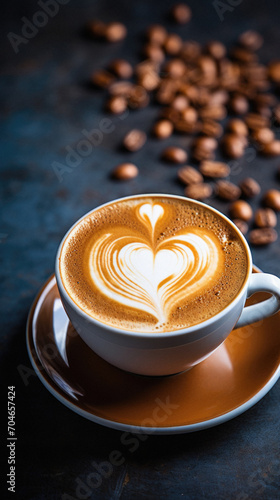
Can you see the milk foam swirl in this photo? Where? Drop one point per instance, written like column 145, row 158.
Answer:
column 153, row 276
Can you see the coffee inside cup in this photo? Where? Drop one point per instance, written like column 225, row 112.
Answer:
column 153, row 263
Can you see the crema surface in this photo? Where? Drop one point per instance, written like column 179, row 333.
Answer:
column 153, row 264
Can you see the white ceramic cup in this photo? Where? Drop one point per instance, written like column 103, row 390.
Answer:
column 179, row 350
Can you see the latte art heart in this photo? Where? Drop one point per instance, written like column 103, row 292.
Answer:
column 137, row 272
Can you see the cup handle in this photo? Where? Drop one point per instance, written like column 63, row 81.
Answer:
column 260, row 282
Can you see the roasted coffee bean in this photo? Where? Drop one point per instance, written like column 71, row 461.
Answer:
column 243, row 55
column 211, row 128
column 102, row 78
column 263, row 135
column 216, row 49
column 114, row 32
column 96, row 28
column 163, row 129
column 251, row 40
column 173, row 44
column 250, row 187
column 156, row 34
column 149, row 80
column 203, row 148
column 184, row 127
column 233, row 145
column 274, row 71
column 217, row 98
column 171, row 114
column 272, row 148
column 134, row 140
column 262, row 236
column 190, row 51
column 264, row 100
column 138, row 97
column 121, row 68
column 242, row 225
column 240, row 209
column 227, row 191
column 271, row 199
column 166, row 92
column 125, row 171
column 213, row 112
column 255, row 121
column 265, row 217
column 116, row 104
column 214, row 169
column 189, row 115
column 154, row 52
column 175, row 68
column 180, row 103
column 276, row 115
column 238, row 127
column 175, row 155
column 189, row 175
column 121, row 88
column 199, row 191
column 181, row 13
column 239, row 104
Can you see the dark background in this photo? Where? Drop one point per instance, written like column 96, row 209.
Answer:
column 45, row 105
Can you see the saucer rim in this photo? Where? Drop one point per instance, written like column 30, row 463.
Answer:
column 135, row 429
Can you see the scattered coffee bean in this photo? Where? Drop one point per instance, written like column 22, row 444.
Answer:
column 250, row 187
column 272, row 199
column 239, row 104
column 211, row 128
column 238, row 127
column 189, row 115
column 163, row 129
column 262, row 236
column 203, row 148
column 175, row 155
column 154, row 52
column 274, row 71
column 251, row 40
column 102, row 78
column 173, row 44
column 121, row 68
column 175, row 68
column 181, row 13
column 149, row 80
column 96, row 28
column 181, row 103
column 242, row 225
column 125, row 171
column 134, row 140
column 255, row 121
column 199, row 191
column 214, row 169
column 271, row 149
column 265, row 217
column 263, row 135
column 189, row 175
column 216, row 49
column 241, row 210
column 116, row 104
column 233, row 145
column 138, row 97
column 156, row 34
column 114, row 32
column 227, row 191
column 121, row 88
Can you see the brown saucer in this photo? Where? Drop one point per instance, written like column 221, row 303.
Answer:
column 239, row 373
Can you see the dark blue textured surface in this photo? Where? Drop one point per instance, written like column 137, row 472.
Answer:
column 46, row 104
